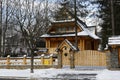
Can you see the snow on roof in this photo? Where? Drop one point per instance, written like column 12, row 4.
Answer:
column 88, row 32
column 72, row 46
column 85, row 31
column 69, row 43
column 63, row 21
column 91, row 29
column 114, row 40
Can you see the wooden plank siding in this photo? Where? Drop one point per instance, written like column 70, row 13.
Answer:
column 84, row 43
column 119, row 56
column 90, row 58
column 52, row 50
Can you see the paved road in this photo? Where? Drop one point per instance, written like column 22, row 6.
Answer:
column 62, row 77
column 73, row 77
column 78, row 76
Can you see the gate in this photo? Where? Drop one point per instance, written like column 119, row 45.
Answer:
column 90, row 58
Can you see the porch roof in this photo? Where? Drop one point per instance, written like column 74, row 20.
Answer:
column 67, row 42
column 82, row 33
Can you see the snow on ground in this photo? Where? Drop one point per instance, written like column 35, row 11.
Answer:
column 42, row 73
column 52, row 73
column 14, row 73
column 108, row 75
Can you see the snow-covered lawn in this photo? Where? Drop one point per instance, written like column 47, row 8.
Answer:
column 108, row 75
column 52, row 73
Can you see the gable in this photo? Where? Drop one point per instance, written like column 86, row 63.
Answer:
column 66, row 44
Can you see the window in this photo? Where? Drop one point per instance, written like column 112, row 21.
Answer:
column 65, row 29
column 65, row 54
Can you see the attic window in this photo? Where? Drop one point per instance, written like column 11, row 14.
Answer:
column 70, row 28
column 65, row 29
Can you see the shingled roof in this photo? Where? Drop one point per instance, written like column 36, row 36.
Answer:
column 83, row 26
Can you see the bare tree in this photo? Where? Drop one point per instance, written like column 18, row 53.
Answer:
column 6, row 16
column 0, row 25
column 30, row 18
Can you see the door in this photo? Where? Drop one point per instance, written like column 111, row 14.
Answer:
column 65, row 56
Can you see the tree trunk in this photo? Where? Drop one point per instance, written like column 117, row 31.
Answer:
column 112, row 18
column 0, row 26
column 32, row 61
column 59, row 59
column 72, row 65
column 75, row 16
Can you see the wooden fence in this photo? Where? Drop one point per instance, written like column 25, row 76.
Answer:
column 81, row 58
column 8, row 62
column 90, row 58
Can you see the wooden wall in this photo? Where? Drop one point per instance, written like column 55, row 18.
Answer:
column 119, row 56
column 84, row 43
column 90, row 58
column 86, row 58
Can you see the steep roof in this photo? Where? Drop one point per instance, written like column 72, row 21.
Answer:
column 72, row 47
column 82, row 25
column 88, row 33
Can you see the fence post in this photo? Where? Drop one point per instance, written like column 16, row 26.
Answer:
column 24, row 60
column 72, row 64
column 59, row 58
column 42, row 59
column 8, row 61
column 51, row 59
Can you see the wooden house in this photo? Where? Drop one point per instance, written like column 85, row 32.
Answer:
column 60, row 39
column 61, row 30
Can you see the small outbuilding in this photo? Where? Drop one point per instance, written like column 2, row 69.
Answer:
column 114, row 46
